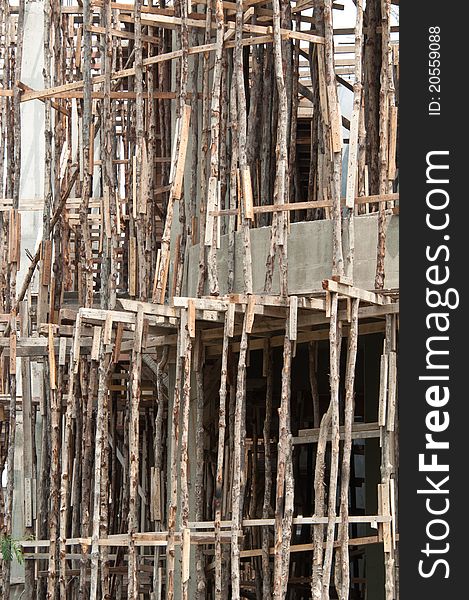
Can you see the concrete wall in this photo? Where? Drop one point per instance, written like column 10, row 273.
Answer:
column 309, row 257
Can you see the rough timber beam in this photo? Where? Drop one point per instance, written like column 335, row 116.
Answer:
column 287, row 207
column 303, row 337
column 157, row 538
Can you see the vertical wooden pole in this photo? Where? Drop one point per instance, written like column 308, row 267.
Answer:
column 134, row 439
column 44, row 476
column 319, row 507
column 278, row 235
column 234, row 192
column 43, row 290
column 336, row 139
column 372, row 61
column 387, row 459
column 65, row 479
column 101, row 440
column 284, row 488
column 266, row 507
column 184, row 224
column 266, row 134
column 108, row 147
column 215, row 146
column 108, row 285
column 12, row 271
column 186, row 350
column 293, row 192
column 28, row 444
column 54, row 476
column 242, row 133
column 334, row 341
column 173, row 502
column 140, row 153
column 88, row 392
column 87, row 257
column 220, row 460
column 200, row 463
column 159, row 448
column 193, row 220
column 352, row 175
column 383, row 138
column 202, row 274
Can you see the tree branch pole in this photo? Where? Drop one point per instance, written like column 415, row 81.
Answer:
column 284, row 487
column 242, row 136
column 383, row 138
column 278, row 241
column 347, row 451
column 220, row 460
column 236, row 498
column 266, row 507
column 11, row 275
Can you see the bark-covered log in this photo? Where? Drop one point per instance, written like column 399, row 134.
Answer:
column 184, row 464
column 354, row 145
column 200, row 458
column 336, row 141
column 238, row 451
column 278, row 235
column 371, row 73
column 344, row 565
column 173, row 502
column 87, row 143
column 11, row 284
column 100, row 450
column 215, row 110
column 242, row 141
column 202, row 273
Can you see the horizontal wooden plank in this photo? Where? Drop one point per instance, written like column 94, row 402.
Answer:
column 270, row 208
column 354, row 292
column 149, row 308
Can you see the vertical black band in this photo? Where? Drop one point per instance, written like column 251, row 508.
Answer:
column 433, row 364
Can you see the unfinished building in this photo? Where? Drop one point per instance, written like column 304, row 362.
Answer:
column 199, row 299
